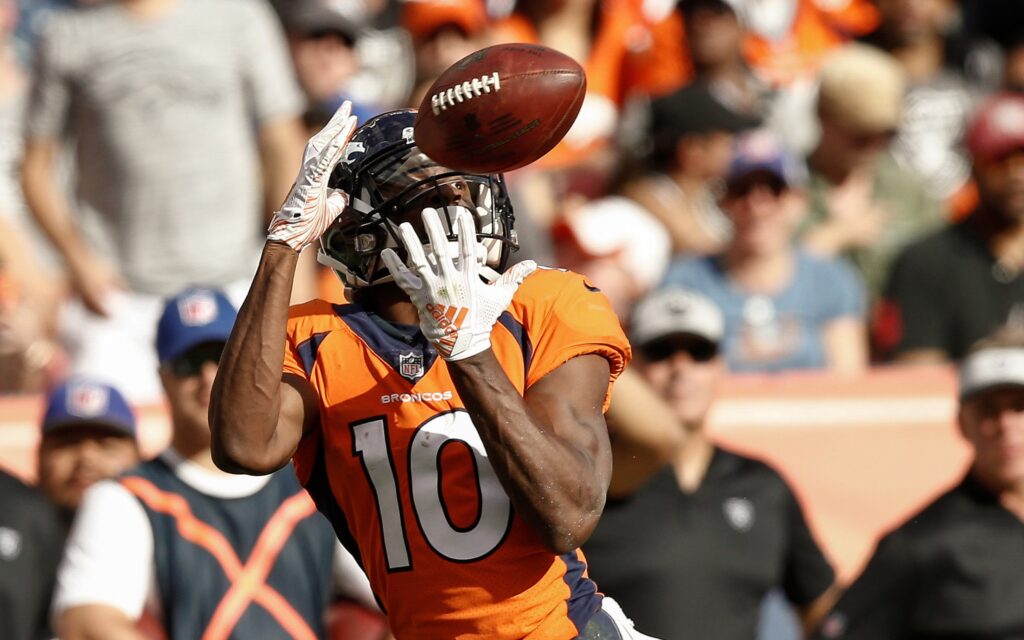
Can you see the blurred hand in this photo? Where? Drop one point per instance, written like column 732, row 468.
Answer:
column 309, row 209
column 94, row 280
column 858, row 219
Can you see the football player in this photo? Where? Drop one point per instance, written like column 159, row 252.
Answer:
column 449, row 421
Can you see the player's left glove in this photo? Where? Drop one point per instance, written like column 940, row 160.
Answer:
column 457, row 309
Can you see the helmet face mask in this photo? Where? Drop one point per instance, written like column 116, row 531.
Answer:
column 390, row 181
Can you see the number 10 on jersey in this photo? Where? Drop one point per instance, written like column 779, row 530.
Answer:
column 371, row 443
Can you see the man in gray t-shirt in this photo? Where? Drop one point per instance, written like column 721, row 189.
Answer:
column 169, row 105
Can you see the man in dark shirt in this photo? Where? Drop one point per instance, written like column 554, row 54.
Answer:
column 958, row 285
column 31, row 537
column 697, row 535
column 956, row 569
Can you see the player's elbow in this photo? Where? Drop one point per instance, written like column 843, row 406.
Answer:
column 236, row 454
column 235, row 457
column 573, row 527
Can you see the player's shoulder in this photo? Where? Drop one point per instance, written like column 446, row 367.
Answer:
column 312, row 309
column 314, row 317
column 548, row 284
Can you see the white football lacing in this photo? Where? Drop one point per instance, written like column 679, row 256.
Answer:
column 467, row 90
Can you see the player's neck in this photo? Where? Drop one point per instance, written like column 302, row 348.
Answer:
column 389, row 302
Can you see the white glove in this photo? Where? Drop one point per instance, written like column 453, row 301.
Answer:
column 457, row 309
column 309, row 209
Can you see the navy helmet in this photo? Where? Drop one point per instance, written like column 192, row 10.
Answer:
column 390, row 181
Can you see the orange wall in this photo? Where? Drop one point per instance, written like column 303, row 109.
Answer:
column 862, row 453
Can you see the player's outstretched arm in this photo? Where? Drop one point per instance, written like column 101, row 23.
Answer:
column 257, row 417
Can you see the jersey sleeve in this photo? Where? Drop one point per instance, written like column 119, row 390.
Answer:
column 570, row 317
column 108, row 558
column 878, row 605
column 305, row 329
column 50, row 95
column 807, row 573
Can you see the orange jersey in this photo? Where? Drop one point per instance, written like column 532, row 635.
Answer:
column 401, row 472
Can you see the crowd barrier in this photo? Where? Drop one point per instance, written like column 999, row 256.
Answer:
column 862, row 453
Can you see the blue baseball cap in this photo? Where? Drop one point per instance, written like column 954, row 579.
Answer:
column 191, row 318
column 81, row 402
column 761, row 151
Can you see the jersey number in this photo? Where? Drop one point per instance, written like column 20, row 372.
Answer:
column 459, row 544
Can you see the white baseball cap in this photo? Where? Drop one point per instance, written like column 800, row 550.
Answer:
column 990, row 368
column 675, row 311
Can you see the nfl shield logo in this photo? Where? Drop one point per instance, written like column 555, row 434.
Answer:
column 87, row 401
column 411, row 365
column 197, row 310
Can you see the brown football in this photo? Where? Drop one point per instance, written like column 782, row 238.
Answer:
column 500, row 108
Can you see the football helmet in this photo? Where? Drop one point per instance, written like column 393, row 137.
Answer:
column 390, row 181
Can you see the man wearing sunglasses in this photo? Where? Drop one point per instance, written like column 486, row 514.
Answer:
column 720, row 530
column 179, row 545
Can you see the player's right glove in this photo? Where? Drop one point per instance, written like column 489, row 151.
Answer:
column 309, row 209
column 457, row 308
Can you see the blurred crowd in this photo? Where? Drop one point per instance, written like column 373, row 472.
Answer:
column 806, row 164
column 757, row 185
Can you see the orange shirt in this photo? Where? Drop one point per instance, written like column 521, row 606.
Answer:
column 401, row 472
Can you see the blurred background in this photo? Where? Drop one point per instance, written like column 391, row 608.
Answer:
column 844, row 179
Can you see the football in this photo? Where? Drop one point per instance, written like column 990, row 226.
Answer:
column 500, row 108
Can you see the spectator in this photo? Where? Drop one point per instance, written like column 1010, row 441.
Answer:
column 31, row 536
column 1013, row 79
column 323, row 48
column 335, row 55
column 962, row 282
column 718, row 530
column 956, row 569
column 784, row 307
column 863, row 204
column 30, row 286
column 89, row 434
column 714, row 34
column 174, row 538
column 719, row 44
column 946, row 76
column 443, row 32
column 692, row 137
column 617, row 245
column 167, row 102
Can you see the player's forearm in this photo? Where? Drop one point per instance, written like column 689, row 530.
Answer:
column 246, row 400
column 555, row 486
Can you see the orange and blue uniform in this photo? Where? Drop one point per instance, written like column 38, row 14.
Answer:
column 401, row 472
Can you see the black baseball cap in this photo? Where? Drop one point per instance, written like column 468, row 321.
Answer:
column 692, row 110
column 317, row 17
